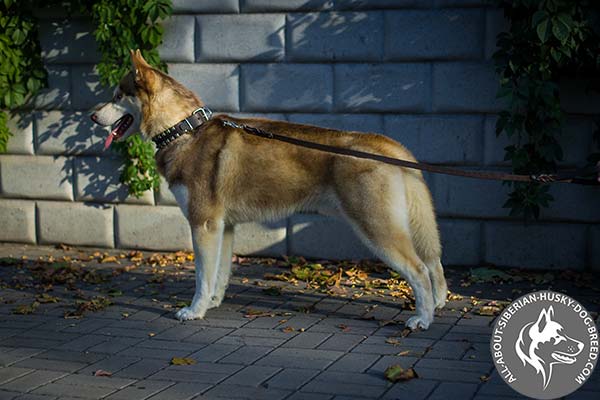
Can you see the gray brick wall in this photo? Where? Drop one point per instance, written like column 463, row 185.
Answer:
column 417, row 71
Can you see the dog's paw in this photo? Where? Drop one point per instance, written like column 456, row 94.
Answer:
column 186, row 314
column 440, row 303
column 418, row 322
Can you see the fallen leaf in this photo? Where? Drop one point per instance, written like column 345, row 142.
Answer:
column 102, row 372
column 405, row 332
column 151, row 334
column 393, row 341
column 288, row 329
column 488, row 275
column 396, row 373
column 484, row 378
column 344, row 327
column 25, row 309
column 182, row 361
column 45, row 298
column 404, row 353
column 109, row 259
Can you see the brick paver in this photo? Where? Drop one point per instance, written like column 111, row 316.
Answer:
column 307, row 345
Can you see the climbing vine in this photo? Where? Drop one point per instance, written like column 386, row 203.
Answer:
column 548, row 40
column 120, row 25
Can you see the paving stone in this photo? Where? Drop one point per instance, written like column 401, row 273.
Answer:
column 11, row 355
column 416, row 389
column 434, row 34
column 162, row 354
column 234, row 392
column 307, row 340
column 80, row 357
column 309, row 396
column 455, row 390
column 354, row 362
column 300, row 358
column 451, row 375
column 136, row 227
column 142, row 369
column 246, row 355
column 17, row 218
column 10, row 373
column 178, row 39
column 31, row 381
column 290, row 378
column 255, row 37
column 286, row 87
column 347, row 122
column 114, row 345
column 390, row 87
column 84, row 342
column 62, row 390
column 36, row 177
column 342, row 342
column 6, row 395
column 351, row 384
column 53, row 365
column 140, row 390
column 20, row 125
column 112, row 363
column 218, row 84
column 91, row 380
column 181, row 391
column 75, row 223
column 213, row 352
column 252, row 375
column 205, row 376
column 335, row 36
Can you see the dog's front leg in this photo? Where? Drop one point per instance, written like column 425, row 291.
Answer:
column 207, row 240
column 224, row 267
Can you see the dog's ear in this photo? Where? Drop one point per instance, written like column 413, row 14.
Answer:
column 544, row 318
column 142, row 71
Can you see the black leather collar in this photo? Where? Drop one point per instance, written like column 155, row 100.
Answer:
column 188, row 124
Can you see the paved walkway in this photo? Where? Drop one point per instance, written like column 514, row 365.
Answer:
column 275, row 336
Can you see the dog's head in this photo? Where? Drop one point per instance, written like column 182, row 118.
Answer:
column 544, row 343
column 146, row 100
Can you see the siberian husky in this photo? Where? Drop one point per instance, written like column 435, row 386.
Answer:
column 221, row 176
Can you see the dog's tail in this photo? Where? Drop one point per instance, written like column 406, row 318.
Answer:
column 423, row 225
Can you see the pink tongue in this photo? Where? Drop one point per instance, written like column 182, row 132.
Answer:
column 108, row 141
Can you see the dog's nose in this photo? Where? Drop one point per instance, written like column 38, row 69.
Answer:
column 94, row 118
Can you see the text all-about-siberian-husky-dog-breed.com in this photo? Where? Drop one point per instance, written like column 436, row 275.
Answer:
column 221, row 176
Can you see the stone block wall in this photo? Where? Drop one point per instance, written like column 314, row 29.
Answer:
column 419, row 71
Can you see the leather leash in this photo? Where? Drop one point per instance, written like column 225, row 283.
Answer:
column 574, row 176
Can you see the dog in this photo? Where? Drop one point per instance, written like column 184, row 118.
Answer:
column 222, row 176
column 543, row 344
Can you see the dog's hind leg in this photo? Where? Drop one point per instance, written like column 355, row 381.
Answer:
column 438, row 282
column 207, row 239
column 224, row 270
column 376, row 206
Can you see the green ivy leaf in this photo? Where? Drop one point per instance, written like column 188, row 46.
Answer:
column 543, row 30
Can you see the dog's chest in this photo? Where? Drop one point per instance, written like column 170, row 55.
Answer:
column 182, row 196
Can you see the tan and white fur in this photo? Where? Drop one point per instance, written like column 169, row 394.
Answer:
column 222, row 176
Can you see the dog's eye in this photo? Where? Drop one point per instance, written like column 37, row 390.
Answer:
column 119, row 96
